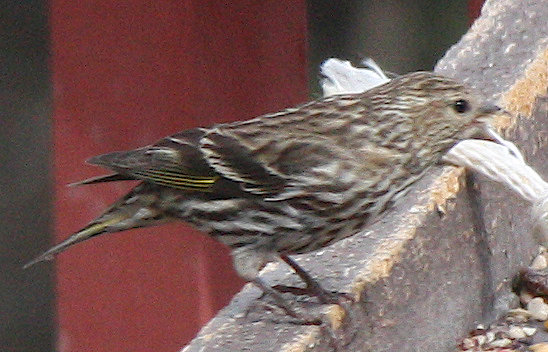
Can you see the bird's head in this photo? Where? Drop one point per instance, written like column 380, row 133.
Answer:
column 443, row 108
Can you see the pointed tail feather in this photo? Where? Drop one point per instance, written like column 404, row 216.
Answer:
column 101, row 179
column 135, row 209
column 92, row 230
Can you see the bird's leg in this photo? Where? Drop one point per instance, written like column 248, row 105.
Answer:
column 248, row 264
column 313, row 287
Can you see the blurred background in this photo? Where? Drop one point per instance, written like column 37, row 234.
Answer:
column 80, row 78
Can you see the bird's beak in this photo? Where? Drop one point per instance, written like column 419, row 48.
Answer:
column 487, row 114
column 490, row 109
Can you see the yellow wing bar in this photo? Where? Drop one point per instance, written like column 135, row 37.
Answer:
column 177, row 180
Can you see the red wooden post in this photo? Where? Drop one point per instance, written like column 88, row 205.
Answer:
column 126, row 73
column 474, row 9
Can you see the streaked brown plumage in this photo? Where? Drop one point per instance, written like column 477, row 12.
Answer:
column 294, row 181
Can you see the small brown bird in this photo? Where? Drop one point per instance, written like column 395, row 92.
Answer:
column 294, row 181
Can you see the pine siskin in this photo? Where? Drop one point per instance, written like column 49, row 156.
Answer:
column 294, row 181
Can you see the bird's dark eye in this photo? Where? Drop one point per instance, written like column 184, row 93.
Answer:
column 461, row 106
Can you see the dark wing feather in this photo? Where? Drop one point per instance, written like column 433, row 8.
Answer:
column 175, row 162
column 234, row 161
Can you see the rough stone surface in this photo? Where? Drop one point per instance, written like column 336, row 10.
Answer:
column 538, row 309
column 423, row 275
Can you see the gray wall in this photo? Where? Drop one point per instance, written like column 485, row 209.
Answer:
column 401, row 36
column 26, row 322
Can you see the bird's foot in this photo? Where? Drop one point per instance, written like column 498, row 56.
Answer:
column 324, row 296
column 283, row 304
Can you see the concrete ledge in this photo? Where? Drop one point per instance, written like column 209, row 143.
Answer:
column 422, row 275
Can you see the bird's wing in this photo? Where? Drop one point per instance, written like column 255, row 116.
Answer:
column 174, row 161
column 193, row 160
column 306, row 166
column 234, row 160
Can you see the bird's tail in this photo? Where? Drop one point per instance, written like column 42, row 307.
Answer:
column 92, row 230
column 136, row 209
